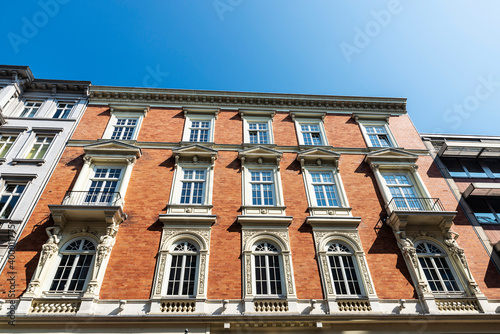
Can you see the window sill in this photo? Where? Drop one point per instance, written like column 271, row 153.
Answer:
column 193, row 209
column 263, row 210
column 2, row 161
column 330, row 211
column 250, row 145
column 303, row 147
column 38, row 162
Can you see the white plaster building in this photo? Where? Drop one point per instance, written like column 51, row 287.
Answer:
column 37, row 118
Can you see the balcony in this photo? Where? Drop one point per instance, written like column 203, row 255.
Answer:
column 89, row 206
column 418, row 211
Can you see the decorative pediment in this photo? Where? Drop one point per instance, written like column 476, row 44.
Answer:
column 260, row 155
column 318, row 157
column 195, row 153
column 112, row 149
column 391, row 156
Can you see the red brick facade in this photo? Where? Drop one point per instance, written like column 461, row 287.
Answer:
column 131, row 268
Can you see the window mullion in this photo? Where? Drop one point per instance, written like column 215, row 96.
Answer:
column 70, row 276
column 181, row 277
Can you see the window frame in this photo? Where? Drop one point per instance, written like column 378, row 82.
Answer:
column 337, row 184
column 363, row 124
column 3, row 193
column 123, row 114
column 300, row 134
column 487, row 200
column 267, row 268
column 91, row 178
column 63, row 251
column 177, row 184
column 190, row 118
column 27, row 101
column 33, row 142
column 352, row 255
column 8, row 134
column 168, row 269
column 487, row 172
column 70, row 112
column 192, row 189
column 444, row 255
column 247, row 185
column 247, row 120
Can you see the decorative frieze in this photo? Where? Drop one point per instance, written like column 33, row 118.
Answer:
column 55, row 306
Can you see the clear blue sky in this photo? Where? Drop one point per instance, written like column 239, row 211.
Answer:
column 444, row 56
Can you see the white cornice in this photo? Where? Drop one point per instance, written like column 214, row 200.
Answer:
column 104, row 95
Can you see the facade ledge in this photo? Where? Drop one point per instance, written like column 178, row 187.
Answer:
column 188, row 219
column 262, row 210
column 274, row 221
column 329, row 212
column 37, row 162
column 333, row 221
column 192, row 209
column 482, row 189
column 209, row 144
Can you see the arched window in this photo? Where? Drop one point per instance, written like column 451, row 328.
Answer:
column 74, row 268
column 267, row 266
column 343, row 266
column 182, row 272
column 436, row 268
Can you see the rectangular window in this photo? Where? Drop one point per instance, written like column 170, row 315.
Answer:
column 30, row 109
column 258, row 133
column 469, row 167
column 63, row 110
column 40, row 147
column 324, row 189
column 402, row 191
column 311, row 134
column 378, row 136
column 6, row 142
column 199, row 131
column 10, row 196
column 262, row 187
column 103, row 185
column 124, row 128
column 486, row 210
column 193, row 185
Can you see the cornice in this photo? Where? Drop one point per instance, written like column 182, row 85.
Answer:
column 103, row 95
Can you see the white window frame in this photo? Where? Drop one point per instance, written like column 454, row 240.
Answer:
column 376, row 123
column 176, row 191
column 92, row 178
column 116, row 115
column 247, row 184
column 166, row 277
column 352, row 255
column 3, row 144
column 25, row 102
column 193, row 181
column 10, row 195
column 313, row 121
column 338, row 185
column 33, row 141
column 57, row 103
column 55, row 266
column 190, row 118
column 247, row 120
column 268, row 283
column 443, row 255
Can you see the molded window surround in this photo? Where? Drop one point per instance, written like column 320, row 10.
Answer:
column 125, row 122
column 310, row 128
column 375, row 130
column 257, row 127
column 199, row 126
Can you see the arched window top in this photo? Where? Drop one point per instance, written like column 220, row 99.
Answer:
column 425, row 248
column 266, row 247
column 185, row 246
column 80, row 245
column 338, row 248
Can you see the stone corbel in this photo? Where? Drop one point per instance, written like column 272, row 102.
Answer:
column 176, row 163
column 278, row 160
column 410, row 255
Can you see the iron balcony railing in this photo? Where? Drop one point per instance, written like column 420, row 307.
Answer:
column 415, row 204
column 92, row 198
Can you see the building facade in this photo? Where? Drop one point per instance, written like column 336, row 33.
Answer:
column 37, row 118
column 225, row 212
column 471, row 166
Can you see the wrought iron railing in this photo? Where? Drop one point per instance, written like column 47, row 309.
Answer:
column 415, row 204
column 92, row 198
